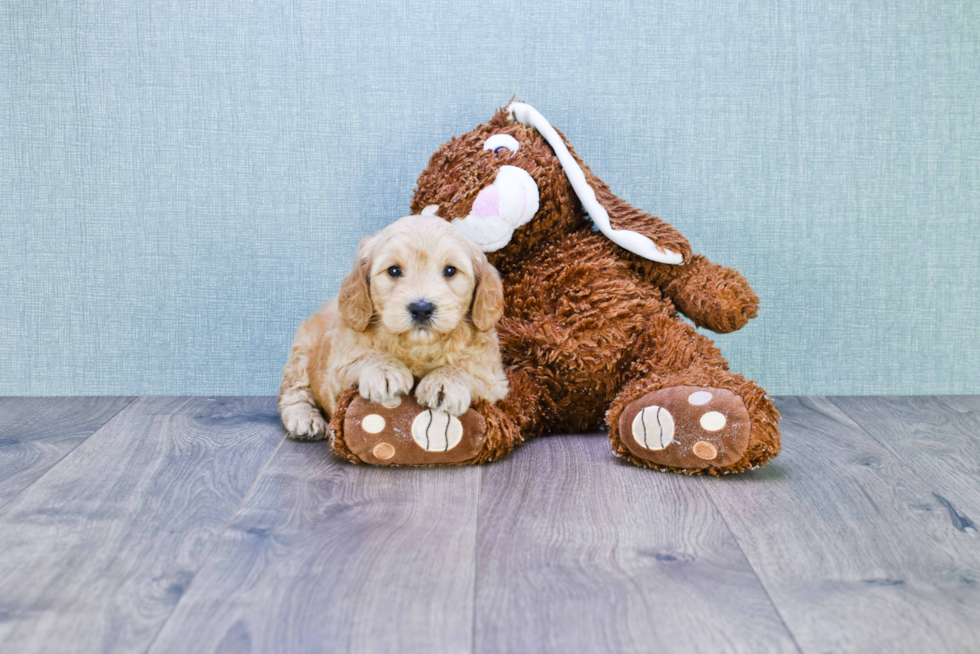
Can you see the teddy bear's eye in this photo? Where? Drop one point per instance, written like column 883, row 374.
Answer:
column 501, row 142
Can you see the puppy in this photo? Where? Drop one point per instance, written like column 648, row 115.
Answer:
column 420, row 302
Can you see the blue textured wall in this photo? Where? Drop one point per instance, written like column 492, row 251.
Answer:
column 182, row 182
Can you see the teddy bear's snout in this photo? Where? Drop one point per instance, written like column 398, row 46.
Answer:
column 487, row 203
column 499, row 209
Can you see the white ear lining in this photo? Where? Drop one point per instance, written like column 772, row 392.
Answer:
column 634, row 242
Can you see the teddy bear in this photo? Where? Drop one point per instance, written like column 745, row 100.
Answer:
column 591, row 335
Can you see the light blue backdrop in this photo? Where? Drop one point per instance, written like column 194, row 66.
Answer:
column 182, row 182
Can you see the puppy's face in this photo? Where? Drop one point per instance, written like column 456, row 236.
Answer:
column 422, row 278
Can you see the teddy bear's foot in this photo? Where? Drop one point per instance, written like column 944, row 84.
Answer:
column 407, row 434
column 686, row 427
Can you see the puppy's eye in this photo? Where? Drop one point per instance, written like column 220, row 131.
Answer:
column 501, row 143
column 448, row 271
column 395, row 271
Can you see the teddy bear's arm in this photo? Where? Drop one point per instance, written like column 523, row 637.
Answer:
column 713, row 296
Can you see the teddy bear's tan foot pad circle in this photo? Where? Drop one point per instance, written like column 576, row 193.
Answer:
column 404, row 433
column 686, row 427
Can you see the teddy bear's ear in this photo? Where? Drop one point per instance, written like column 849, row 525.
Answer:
column 355, row 293
column 627, row 227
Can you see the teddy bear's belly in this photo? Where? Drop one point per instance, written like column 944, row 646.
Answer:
column 569, row 344
column 572, row 323
column 578, row 365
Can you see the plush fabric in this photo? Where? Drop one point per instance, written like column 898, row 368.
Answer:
column 590, row 334
column 404, row 435
column 722, row 425
column 586, row 193
column 488, row 434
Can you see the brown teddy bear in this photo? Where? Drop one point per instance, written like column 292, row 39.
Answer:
column 590, row 333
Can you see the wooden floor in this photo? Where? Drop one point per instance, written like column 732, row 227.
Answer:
column 191, row 525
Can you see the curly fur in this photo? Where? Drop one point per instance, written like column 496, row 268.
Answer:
column 589, row 327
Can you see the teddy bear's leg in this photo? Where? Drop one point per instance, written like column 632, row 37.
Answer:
column 683, row 410
column 527, row 403
column 409, row 434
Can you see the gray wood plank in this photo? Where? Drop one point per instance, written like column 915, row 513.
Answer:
column 581, row 552
column 98, row 551
column 326, row 556
column 36, row 432
column 938, row 437
column 854, row 548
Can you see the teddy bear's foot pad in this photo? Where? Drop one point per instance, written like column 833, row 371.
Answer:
column 686, row 427
column 404, row 433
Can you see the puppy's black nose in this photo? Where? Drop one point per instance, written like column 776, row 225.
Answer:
column 421, row 311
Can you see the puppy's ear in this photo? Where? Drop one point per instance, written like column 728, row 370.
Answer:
column 355, row 291
column 488, row 297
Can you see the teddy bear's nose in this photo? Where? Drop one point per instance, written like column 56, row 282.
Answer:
column 487, row 203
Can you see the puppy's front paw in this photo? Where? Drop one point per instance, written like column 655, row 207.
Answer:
column 443, row 391
column 384, row 382
column 304, row 421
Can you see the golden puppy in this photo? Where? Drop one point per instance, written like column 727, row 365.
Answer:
column 421, row 302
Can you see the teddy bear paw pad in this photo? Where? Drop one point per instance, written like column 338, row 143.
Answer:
column 402, row 432
column 686, row 427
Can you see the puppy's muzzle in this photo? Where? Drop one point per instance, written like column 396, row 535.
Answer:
column 421, row 312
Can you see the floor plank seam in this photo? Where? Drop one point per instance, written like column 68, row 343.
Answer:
column 67, row 454
column 217, row 542
column 957, row 517
column 762, row 585
column 476, row 558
